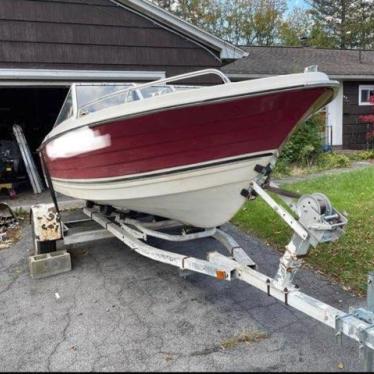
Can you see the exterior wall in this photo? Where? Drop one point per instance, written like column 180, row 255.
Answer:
column 92, row 35
column 354, row 131
column 334, row 120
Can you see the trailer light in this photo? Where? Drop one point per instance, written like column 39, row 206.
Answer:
column 221, row 274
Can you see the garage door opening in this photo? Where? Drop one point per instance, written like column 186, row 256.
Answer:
column 35, row 109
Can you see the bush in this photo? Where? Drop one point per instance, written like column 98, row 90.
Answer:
column 361, row 155
column 333, row 160
column 304, row 145
column 281, row 168
column 355, row 156
column 366, row 155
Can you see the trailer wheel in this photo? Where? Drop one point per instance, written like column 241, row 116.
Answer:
column 89, row 204
column 107, row 210
column 41, row 247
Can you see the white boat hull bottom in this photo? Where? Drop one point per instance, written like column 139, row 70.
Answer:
column 204, row 197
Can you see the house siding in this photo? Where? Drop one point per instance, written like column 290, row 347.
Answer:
column 92, row 34
column 354, row 130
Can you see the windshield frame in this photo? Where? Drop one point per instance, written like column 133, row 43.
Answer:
column 71, row 94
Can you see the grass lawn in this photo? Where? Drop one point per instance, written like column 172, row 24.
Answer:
column 350, row 258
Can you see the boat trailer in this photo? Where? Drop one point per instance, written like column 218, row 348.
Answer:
column 311, row 217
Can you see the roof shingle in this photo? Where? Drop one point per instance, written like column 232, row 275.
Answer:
column 263, row 61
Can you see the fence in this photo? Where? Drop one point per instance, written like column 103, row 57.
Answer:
column 359, row 136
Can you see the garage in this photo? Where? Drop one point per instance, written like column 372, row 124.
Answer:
column 46, row 45
column 34, row 109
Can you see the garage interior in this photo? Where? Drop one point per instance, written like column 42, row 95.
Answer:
column 35, row 109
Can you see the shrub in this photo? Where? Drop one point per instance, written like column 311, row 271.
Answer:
column 333, row 160
column 355, row 156
column 366, row 155
column 361, row 155
column 304, row 145
column 281, row 168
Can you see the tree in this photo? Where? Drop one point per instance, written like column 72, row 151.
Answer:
column 237, row 21
column 328, row 24
column 332, row 16
column 349, row 23
column 296, row 26
column 167, row 4
column 319, row 38
column 362, row 26
column 267, row 19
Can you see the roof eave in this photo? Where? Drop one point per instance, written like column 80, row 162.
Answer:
column 352, row 77
column 227, row 50
column 55, row 75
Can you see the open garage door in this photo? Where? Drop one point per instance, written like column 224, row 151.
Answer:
column 35, row 109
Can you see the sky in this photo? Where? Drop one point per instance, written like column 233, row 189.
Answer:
column 291, row 4
column 297, row 3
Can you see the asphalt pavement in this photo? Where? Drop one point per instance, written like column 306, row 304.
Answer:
column 118, row 311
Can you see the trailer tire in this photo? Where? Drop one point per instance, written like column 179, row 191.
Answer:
column 90, row 204
column 107, row 210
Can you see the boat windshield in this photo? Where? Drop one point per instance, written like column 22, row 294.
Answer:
column 92, row 97
column 95, row 97
column 155, row 91
column 67, row 109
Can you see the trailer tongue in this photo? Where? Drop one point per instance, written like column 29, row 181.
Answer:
column 311, row 217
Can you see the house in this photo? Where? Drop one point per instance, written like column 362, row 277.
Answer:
column 354, row 69
column 45, row 45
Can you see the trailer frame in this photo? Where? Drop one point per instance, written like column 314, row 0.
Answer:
column 313, row 225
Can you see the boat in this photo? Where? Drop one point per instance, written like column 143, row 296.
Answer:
column 176, row 151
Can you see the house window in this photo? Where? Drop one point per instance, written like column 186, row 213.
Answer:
column 364, row 93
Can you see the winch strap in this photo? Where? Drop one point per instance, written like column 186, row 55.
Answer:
column 280, row 191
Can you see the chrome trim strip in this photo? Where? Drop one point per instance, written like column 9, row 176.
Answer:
column 179, row 169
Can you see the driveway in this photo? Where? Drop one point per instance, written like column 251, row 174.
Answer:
column 118, row 311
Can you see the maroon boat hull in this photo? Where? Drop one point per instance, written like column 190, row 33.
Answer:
column 184, row 136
